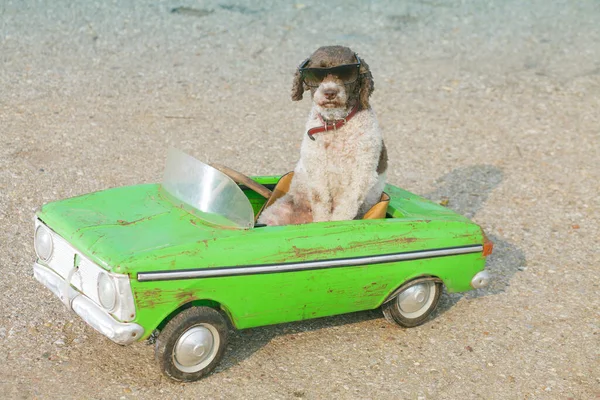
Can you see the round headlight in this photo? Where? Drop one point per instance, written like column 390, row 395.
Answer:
column 107, row 291
column 43, row 243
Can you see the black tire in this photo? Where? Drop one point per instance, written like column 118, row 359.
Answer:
column 410, row 312
column 191, row 345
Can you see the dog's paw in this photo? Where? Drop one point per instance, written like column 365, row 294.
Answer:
column 265, row 219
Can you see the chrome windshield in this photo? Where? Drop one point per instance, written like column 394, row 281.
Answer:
column 206, row 192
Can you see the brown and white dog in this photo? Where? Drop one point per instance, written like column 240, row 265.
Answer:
column 343, row 160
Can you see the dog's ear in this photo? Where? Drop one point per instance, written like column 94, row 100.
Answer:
column 297, row 86
column 367, row 86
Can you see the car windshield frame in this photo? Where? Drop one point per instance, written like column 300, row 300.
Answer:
column 206, row 192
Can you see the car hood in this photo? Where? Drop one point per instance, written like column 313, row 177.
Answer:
column 120, row 226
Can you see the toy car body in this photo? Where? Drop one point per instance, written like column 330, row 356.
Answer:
column 183, row 256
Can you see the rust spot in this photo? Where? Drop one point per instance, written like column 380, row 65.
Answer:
column 151, row 292
column 193, row 222
column 184, row 295
column 152, row 298
column 305, row 253
column 393, row 241
column 374, row 289
column 148, row 298
column 464, row 235
column 147, row 303
column 187, row 253
column 293, row 239
column 123, row 222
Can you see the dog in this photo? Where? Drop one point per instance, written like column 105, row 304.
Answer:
column 343, row 159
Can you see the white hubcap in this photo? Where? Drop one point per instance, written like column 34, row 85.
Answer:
column 414, row 301
column 196, row 348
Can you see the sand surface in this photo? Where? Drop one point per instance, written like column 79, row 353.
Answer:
column 491, row 105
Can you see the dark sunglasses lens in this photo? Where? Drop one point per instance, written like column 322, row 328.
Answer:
column 347, row 73
column 313, row 76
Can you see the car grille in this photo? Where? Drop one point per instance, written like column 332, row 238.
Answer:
column 65, row 258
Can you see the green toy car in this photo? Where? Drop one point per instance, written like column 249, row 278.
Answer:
column 183, row 258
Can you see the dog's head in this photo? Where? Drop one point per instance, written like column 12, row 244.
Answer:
column 336, row 77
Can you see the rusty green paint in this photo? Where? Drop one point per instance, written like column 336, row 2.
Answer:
column 137, row 229
column 264, row 299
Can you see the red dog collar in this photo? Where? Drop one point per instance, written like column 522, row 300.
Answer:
column 337, row 124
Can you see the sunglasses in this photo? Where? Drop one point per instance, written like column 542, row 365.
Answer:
column 313, row 77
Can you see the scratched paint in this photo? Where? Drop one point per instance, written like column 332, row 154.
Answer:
column 265, row 299
column 136, row 229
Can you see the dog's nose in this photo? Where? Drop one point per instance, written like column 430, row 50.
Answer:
column 330, row 93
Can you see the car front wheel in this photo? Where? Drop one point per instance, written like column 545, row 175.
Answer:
column 191, row 345
column 413, row 303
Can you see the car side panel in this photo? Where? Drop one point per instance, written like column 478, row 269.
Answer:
column 268, row 298
column 264, row 299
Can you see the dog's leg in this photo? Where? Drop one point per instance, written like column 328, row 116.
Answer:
column 373, row 197
column 278, row 213
column 286, row 210
column 320, row 201
column 347, row 206
column 309, row 189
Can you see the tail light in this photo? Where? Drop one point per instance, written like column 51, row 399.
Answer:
column 488, row 246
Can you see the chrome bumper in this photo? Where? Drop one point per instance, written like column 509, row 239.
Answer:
column 480, row 280
column 90, row 312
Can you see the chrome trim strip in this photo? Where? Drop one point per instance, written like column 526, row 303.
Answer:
column 307, row 265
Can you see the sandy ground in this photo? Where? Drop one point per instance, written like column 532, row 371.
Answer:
column 490, row 104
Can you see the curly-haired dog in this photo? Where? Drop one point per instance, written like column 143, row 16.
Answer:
column 343, row 160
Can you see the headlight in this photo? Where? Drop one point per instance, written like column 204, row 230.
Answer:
column 107, row 291
column 43, row 243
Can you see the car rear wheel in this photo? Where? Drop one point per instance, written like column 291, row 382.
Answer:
column 191, row 345
column 413, row 303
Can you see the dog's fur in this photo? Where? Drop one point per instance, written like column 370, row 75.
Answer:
column 341, row 174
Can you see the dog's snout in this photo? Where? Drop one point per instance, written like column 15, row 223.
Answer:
column 330, row 93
